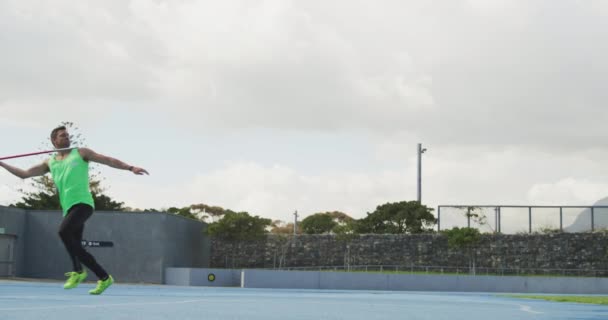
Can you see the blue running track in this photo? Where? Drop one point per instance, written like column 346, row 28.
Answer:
column 22, row 300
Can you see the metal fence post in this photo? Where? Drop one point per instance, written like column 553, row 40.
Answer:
column 529, row 219
column 499, row 220
column 438, row 218
column 592, row 219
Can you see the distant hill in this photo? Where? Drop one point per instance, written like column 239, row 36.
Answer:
column 582, row 223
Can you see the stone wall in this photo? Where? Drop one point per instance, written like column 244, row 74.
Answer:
column 585, row 251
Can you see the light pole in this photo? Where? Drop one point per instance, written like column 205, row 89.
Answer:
column 420, row 152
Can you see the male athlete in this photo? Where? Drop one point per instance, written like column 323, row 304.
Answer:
column 70, row 172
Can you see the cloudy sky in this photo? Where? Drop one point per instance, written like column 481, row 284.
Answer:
column 274, row 106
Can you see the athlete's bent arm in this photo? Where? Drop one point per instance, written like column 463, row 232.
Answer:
column 37, row 170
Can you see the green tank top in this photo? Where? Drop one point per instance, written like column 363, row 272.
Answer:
column 71, row 176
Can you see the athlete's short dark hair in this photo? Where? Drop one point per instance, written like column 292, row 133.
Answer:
column 55, row 131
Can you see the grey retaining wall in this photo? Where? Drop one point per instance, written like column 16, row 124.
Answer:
column 363, row 281
column 145, row 244
column 273, row 279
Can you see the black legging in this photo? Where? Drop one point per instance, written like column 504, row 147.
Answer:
column 70, row 232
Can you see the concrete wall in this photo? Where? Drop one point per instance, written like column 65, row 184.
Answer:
column 201, row 277
column 14, row 222
column 144, row 243
column 7, row 255
column 364, row 281
column 274, row 279
column 181, row 250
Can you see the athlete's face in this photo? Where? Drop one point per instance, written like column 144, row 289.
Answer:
column 62, row 140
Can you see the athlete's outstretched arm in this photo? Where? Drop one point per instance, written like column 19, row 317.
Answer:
column 37, row 170
column 90, row 155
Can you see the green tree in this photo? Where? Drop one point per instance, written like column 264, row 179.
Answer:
column 477, row 215
column 345, row 224
column 200, row 211
column 465, row 239
column 239, row 226
column 318, row 223
column 105, row 203
column 284, row 228
column 44, row 195
column 398, row 218
column 184, row 212
column 214, row 212
column 326, row 222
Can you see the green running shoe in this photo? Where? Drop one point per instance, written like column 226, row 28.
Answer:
column 102, row 285
column 74, row 279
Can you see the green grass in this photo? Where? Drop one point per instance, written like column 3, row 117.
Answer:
column 578, row 299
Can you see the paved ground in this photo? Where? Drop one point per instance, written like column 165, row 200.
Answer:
column 48, row 300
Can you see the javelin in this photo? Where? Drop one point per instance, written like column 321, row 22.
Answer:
column 36, row 153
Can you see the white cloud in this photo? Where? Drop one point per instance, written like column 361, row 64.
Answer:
column 568, row 190
column 38, row 114
column 71, row 51
column 116, row 50
column 465, row 72
column 277, row 64
column 273, row 192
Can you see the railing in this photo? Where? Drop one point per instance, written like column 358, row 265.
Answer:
column 498, row 214
column 448, row 270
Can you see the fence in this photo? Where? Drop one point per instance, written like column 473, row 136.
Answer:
column 551, row 218
column 464, row 270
